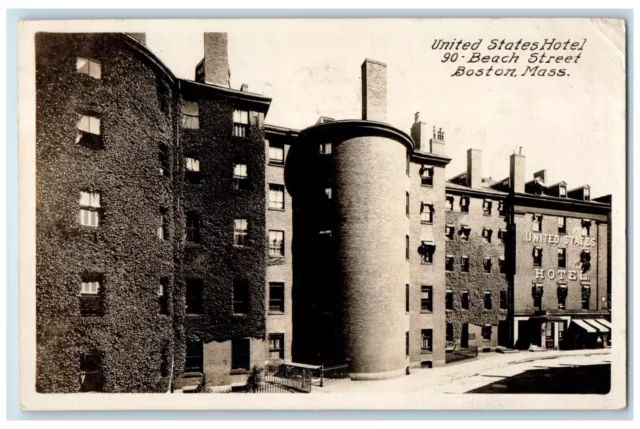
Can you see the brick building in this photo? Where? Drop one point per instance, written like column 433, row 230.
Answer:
column 179, row 237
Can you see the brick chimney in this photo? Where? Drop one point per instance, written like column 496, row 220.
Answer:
column 214, row 67
column 374, row 91
column 140, row 37
column 474, row 168
column 516, row 172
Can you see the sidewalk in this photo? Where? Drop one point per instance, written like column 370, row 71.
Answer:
column 421, row 379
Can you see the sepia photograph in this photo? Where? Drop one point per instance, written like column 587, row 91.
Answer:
column 380, row 214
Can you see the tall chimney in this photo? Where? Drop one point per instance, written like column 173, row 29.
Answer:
column 374, row 91
column 140, row 37
column 516, row 172
column 474, row 168
column 420, row 134
column 214, row 67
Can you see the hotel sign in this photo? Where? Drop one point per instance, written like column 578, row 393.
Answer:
column 566, row 275
column 567, row 240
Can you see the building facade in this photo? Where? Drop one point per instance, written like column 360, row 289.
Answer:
column 181, row 240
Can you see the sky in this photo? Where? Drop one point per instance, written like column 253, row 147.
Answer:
column 573, row 126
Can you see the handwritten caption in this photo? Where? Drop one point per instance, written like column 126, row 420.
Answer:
column 510, row 58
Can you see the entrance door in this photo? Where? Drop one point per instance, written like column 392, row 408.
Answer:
column 550, row 336
column 464, row 336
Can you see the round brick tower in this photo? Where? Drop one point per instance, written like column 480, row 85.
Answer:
column 368, row 171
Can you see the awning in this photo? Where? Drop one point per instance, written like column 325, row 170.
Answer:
column 605, row 322
column 584, row 325
column 600, row 327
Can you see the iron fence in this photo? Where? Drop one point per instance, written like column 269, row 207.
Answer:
column 458, row 354
column 333, row 373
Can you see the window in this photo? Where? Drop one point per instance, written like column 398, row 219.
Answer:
column 240, row 354
column 193, row 228
column 427, row 341
column 562, row 225
column 465, row 232
column 503, row 300
column 486, row 332
column 406, row 247
column 488, row 304
column 91, row 295
column 537, row 291
column 449, row 300
column 501, row 210
column 240, row 177
column 90, row 208
column 91, row 377
column 276, row 346
column 194, row 296
column 325, row 148
column 240, row 297
column 426, row 213
column 562, row 297
column 562, row 191
column 240, row 123
column 426, row 299
column 449, row 202
column 449, row 231
column 163, row 157
column 537, row 256
column 449, row 333
column 426, row 250
column 562, row 258
column 587, row 193
column 464, row 204
column 276, row 297
column 585, row 260
column 408, row 162
column 537, row 223
column 586, row 228
column 163, row 225
column 502, row 266
column 464, row 300
column 276, row 197
column 407, row 204
column 487, row 265
column 89, row 67
column 501, row 234
column 194, row 357
column 486, row 207
column 406, row 299
column 464, row 262
column 328, row 193
column 190, row 113
column 448, row 263
column 486, row 235
column 426, row 176
column 276, row 243
column 406, row 343
column 163, row 287
column 586, row 295
column 276, row 153
column 240, row 232
column 192, row 170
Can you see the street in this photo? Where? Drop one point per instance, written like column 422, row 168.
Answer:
column 522, row 372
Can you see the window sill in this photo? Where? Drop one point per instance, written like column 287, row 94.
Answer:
column 239, row 371
column 193, row 314
column 426, row 263
column 276, row 313
column 426, row 186
column 276, row 256
column 426, row 352
column 425, row 223
column 240, row 314
column 426, row 312
column 276, row 210
column 276, row 164
column 487, row 214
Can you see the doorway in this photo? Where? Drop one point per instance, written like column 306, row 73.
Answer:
column 464, row 336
